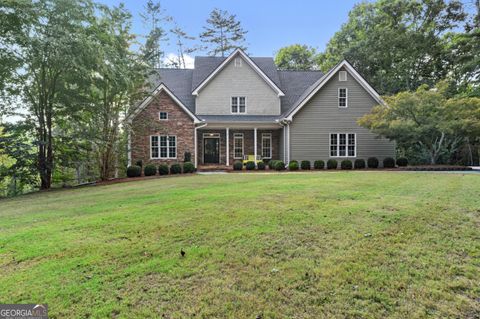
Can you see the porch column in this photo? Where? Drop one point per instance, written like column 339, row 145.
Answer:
column 228, row 146
column 255, row 144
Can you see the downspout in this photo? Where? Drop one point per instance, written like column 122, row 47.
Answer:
column 286, row 141
column 129, row 146
column 195, row 142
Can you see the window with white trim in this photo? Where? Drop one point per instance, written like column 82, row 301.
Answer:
column 266, row 145
column 342, row 76
column 238, row 145
column 343, row 145
column 342, row 97
column 163, row 146
column 163, row 115
column 239, row 104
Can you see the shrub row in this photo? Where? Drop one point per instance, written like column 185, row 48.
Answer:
column 163, row 169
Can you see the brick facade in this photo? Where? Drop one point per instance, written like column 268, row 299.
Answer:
column 148, row 123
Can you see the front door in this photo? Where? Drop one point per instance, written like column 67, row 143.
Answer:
column 211, row 151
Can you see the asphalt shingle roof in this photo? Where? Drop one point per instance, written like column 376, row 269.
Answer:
column 183, row 81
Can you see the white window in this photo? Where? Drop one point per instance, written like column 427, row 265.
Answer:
column 239, row 104
column 342, row 97
column 238, row 62
column 266, row 145
column 238, row 145
column 343, row 145
column 342, row 76
column 163, row 115
column 163, row 146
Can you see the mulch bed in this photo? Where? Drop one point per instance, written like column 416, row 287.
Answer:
column 436, row 168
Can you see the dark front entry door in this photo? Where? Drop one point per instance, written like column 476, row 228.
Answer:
column 211, row 151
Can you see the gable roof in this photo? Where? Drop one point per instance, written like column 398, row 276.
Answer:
column 226, row 61
column 294, row 83
column 162, row 87
column 315, row 87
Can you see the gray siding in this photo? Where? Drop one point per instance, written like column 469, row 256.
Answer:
column 215, row 97
column 311, row 126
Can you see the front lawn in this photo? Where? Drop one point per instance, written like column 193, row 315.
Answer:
column 300, row 245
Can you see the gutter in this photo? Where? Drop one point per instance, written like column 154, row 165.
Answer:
column 195, row 140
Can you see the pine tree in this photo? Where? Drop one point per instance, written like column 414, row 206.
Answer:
column 182, row 48
column 223, row 33
column 153, row 17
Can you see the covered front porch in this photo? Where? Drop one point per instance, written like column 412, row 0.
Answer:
column 219, row 147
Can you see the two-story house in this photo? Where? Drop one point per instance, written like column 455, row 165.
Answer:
column 227, row 108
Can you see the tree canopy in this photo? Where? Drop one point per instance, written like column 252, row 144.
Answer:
column 296, row 57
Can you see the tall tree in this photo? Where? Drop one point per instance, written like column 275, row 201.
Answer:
column 396, row 45
column 47, row 49
column 296, row 57
column 183, row 49
column 116, row 85
column 424, row 120
column 223, row 33
column 154, row 17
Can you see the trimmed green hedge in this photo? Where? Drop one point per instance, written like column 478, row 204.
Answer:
column 175, row 169
column 346, row 164
column 237, row 165
column 332, row 164
column 149, row 170
column 188, row 167
column 359, row 163
column 261, row 166
column 305, row 165
column 134, row 171
column 293, row 166
column 372, row 162
column 402, row 161
column 163, row 169
column 279, row 166
column 388, row 162
column 250, row 166
column 319, row 164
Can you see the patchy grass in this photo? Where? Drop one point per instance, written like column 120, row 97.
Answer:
column 339, row 244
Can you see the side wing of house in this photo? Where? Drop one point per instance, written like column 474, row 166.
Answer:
column 238, row 78
column 326, row 126
column 162, row 131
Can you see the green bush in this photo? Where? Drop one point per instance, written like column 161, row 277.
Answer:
column 359, row 163
column 175, row 169
column 346, row 164
column 149, row 170
column 332, row 164
column 134, row 171
column 271, row 164
column 139, row 163
column 372, row 162
column 188, row 167
column 163, row 169
column 250, row 165
column 305, row 165
column 261, row 166
column 279, row 166
column 319, row 164
column 402, row 161
column 388, row 162
column 238, row 165
column 293, row 166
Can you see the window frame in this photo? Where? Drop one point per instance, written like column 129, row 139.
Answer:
column 237, row 99
column 341, row 97
column 235, row 137
column 168, row 147
column 160, row 116
column 340, row 73
column 238, row 62
column 347, row 145
column 267, row 136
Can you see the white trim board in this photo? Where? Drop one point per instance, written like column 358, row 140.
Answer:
column 249, row 61
column 149, row 99
column 323, row 80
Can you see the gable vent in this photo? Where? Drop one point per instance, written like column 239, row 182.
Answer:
column 342, row 76
column 238, row 62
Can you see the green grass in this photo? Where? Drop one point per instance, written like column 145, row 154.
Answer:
column 301, row 245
